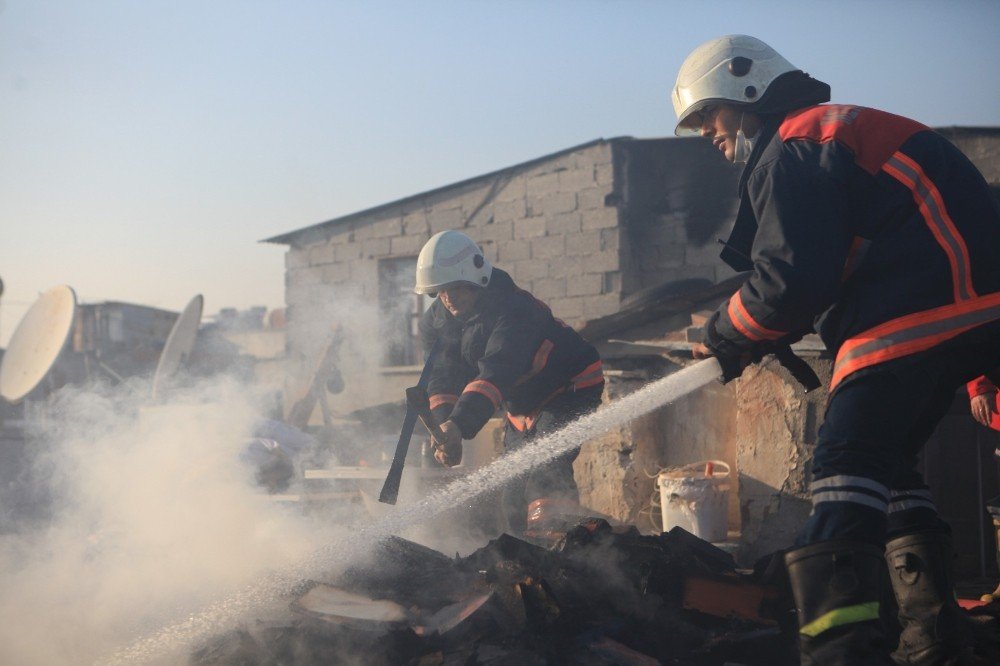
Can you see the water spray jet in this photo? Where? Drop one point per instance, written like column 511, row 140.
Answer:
column 224, row 614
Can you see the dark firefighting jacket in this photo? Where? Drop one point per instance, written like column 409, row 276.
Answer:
column 868, row 227
column 510, row 351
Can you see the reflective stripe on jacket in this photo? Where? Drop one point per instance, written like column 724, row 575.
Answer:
column 868, row 227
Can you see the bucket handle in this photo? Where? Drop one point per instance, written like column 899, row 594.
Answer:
column 697, row 469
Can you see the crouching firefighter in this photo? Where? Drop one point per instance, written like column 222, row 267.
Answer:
column 501, row 347
column 879, row 234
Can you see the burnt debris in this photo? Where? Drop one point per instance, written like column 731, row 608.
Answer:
column 597, row 595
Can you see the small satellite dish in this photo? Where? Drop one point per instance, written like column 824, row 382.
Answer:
column 37, row 342
column 179, row 344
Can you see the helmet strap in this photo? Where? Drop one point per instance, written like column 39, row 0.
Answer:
column 744, row 145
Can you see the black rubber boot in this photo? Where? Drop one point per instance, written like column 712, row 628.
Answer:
column 935, row 629
column 836, row 588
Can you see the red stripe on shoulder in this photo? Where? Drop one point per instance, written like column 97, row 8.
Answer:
column 872, row 135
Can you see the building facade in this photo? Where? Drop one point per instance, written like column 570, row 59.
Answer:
column 593, row 231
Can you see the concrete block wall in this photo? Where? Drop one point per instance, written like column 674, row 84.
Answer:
column 547, row 224
column 677, row 197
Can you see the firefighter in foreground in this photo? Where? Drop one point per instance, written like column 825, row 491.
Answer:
column 501, row 347
column 881, row 235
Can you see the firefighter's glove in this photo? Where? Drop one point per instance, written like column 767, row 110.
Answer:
column 449, row 452
column 732, row 358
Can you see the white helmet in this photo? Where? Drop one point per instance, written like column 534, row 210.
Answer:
column 451, row 257
column 735, row 69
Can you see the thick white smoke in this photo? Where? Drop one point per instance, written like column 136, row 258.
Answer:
column 153, row 515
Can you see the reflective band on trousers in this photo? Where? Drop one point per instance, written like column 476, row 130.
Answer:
column 841, row 616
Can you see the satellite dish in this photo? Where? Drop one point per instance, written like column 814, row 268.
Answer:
column 179, row 344
column 37, row 342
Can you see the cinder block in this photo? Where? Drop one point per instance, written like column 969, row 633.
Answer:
column 604, row 174
column 304, row 277
column 361, row 231
column 532, row 227
column 549, row 247
column 611, row 239
column 376, row 247
column 564, row 224
column 387, row 228
column 599, row 218
column 472, row 198
column 584, row 243
column 500, row 232
column 561, row 163
column 410, row 244
column 347, row 252
column 542, row 184
column 364, row 271
column 549, row 288
column 601, row 262
column 592, row 197
column 489, row 249
column 516, row 188
column 590, row 284
column 577, row 179
column 416, row 223
column 335, row 273
column 340, row 235
column 556, row 203
column 321, row 254
column 526, row 271
column 568, row 266
column 567, row 309
column 509, row 211
column 443, row 219
column 296, row 259
column 512, row 251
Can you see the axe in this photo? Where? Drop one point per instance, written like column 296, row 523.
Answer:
column 390, row 489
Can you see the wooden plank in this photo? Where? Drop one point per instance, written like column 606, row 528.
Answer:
column 661, row 304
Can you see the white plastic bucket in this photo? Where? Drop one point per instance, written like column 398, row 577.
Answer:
column 696, row 498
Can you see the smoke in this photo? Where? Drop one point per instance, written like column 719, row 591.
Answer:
column 152, row 515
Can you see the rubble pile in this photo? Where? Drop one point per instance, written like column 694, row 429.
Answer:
column 597, row 595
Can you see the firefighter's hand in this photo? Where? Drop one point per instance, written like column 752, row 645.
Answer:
column 449, row 452
column 732, row 366
column 700, row 351
column 984, row 406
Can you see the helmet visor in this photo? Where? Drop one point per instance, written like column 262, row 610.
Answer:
column 695, row 116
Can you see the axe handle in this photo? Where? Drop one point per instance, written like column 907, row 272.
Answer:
column 390, row 489
column 418, row 400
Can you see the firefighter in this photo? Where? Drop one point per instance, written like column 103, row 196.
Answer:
column 501, row 347
column 984, row 404
column 883, row 237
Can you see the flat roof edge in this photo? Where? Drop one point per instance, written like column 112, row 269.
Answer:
column 288, row 237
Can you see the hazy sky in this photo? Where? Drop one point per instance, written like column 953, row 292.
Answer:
column 147, row 146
